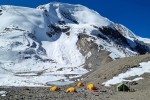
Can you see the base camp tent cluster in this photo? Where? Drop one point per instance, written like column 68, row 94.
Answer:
column 72, row 89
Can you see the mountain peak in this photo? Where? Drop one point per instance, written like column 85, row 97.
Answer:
column 59, row 41
column 76, row 12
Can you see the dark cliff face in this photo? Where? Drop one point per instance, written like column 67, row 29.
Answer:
column 141, row 47
column 117, row 37
column 57, row 30
column 1, row 12
column 114, row 35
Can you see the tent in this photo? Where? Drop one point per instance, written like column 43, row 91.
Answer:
column 71, row 89
column 122, row 87
column 54, row 88
column 80, row 84
column 91, row 87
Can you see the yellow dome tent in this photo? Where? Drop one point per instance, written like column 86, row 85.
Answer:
column 54, row 88
column 80, row 84
column 91, row 87
column 71, row 89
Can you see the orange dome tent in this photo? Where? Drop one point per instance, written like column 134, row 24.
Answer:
column 80, row 84
column 54, row 88
column 71, row 89
column 91, row 87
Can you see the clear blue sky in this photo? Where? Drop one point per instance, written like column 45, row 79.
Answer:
column 134, row 14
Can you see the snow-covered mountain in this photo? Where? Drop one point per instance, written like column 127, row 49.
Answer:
column 59, row 41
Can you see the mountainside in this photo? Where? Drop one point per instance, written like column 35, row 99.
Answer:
column 58, row 42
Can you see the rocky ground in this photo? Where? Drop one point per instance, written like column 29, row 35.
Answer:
column 16, row 93
column 42, row 93
column 105, row 72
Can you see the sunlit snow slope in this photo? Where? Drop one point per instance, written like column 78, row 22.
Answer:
column 39, row 45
